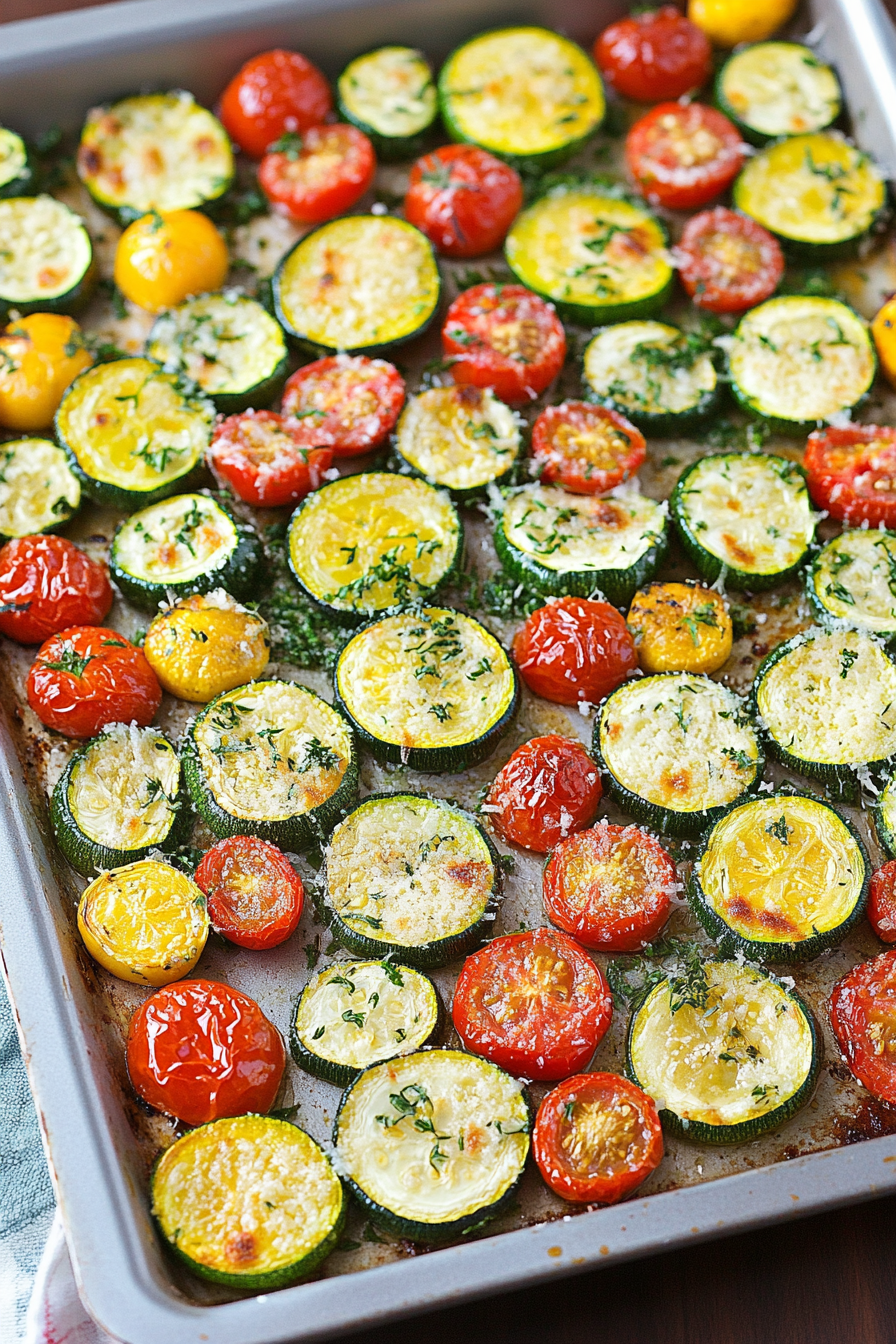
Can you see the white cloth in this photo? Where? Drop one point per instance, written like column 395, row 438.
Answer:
column 55, row 1314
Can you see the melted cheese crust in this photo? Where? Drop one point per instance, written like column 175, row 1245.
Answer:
column 122, row 791
column 355, row 1014
column 390, row 90
column 566, row 532
column 175, row 541
column 225, row 343
column 459, row 437
column 779, row 88
column 617, row 365
column 45, row 250
column 38, row 488
column 146, row 922
column 854, row 578
column 13, row 156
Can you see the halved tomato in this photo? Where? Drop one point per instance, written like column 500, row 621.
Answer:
column 314, row 176
column 863, row 1016
column 681, row 155
column 350, row 403
column 549, row 788
column 48, row 584
column 727, row 262
column 654, row 55
column 587, row 449
column 575, row 650
column 265, row 459
column 463, row 199
column 506, row 338
column 274, row 93
column 86, row 677
column 852, row 473
column 882, row 902
column 255, row 896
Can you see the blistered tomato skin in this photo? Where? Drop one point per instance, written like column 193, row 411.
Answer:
column 852, row 473
column 654, row 56
column 463, row 199
column 575, row 650
column 40, row 355
column 349, row 403
column 882, row 902
column 87, row 677
column 727, row 262
column 266, row 459
column 549, row 788
column 532, row 1003
column 47, row 584
column 506, row 338
column 323, row 174
column 681, row 155
column 587, row 449
column 863, row 1016
column 277, row 91
column 255, row 896
column 201, row 1051
column 162, row 259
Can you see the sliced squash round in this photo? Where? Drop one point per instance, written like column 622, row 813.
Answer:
column 773, row 89
column 661, row 378
column 46, row 257
column 459, row 437
column 16, row 167
column 146, row 922
column 680, row 627
column 885, row 816
column 852, row 581
column 206, row 644
column 39, row 492
column 389, row 94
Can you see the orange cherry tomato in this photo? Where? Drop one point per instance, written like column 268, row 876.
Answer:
column 318, row 175
column 574, row 650
column 86, row 677
column 255, row 896
column 162, row 259
column 263, row 458
column 863, row 1016
column 39, row 356
column 587, row 449
column 852, row 473
column 654, row 56
column 350, row 403
column 276, row 92
column 681, row 155
column 506, row 338
column 47, row 584
column 463, row 199
column 882, row 902
column 549, row 788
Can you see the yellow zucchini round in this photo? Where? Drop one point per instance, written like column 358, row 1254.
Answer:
column 146, row 922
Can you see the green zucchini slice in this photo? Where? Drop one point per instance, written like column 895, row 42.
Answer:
column 389, row 94
column 780, row 878
column 16, row 166
column 39, row 492
column 799, row 360
column 228, row 345
column 599, row 258
column 270, row 759
column 251, row 1202
column 188, row 544
column 818, row 193
column 365, row 543
column 460, row 437
column 433, row 1143
column 156, row 151
column 885, row 816
column 852, row 581
column 358, row 1013
column 662, row 379
column 120, row 796
column 429, row 688
column 748, row 514
column 564, row 543
column 411, row 877
column 773, row 89
column 676, row 750
column 526, row 94
column 133, row 432
column 46, row 257
column 359, row 285
column 741, row 1062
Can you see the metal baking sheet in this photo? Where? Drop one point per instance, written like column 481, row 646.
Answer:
column 71, row 1016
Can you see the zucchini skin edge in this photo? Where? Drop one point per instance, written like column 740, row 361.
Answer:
column 617, row 585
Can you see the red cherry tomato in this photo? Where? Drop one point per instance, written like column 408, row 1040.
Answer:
column 852, row 473
column 506, row 338
column 276, row 92
column 728, row 262
column 682, row 155
column 863, row 1016
column 549, row 788
column 610, row 887
column 255, row 896
column 87, row 677
column 654, row 56
column 47, row 584
column 264, row 459
column 575, row 649
column 596, row 1138
column 588, row 449
column 882, row 902
column 200, row 1051
column 323, row 175
column 463, row 199
column 533, row 1003
column 349, row 402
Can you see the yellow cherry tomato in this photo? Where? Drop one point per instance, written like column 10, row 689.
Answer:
column 883, row 329
column 728, row 22
column 163, row 259
column 680, row 627
column 146, row 922
column 206, row 644
column 39, row 356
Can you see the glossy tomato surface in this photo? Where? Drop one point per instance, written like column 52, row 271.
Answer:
column 596, row 1138
column 549, row 788
column 681, row 155
column 255, row 896
column 265, row 460
column 533, row 1003
column 852, row 473
column 610, row 887
column 274, row 93
column 201, row 1051
column 863, row 1016
column 654, row 56
column 506, row 338
column 48, row 584
column 882, row 902
column 587, row 449
column 575, row 649
column 87, row 677
column 351, row 403
column 463, row 199
column 319, row 174
column 727, row 262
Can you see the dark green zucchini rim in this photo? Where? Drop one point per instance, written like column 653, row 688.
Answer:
column 61, row 517
column 822, row 613
column 749, row 133
column 74, row 299
column 388, row 146
column 23, row 184
column 885, row 832
column 663, row 424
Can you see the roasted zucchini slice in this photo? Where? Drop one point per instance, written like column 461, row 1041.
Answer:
column 145, row 922
column 46, row 257
column 460, row 437
column 852, row 581
column 188, row 544
column 773, row 89
column 156, row 151
column 676, row 750
column 357, row 1013
column 661, row 378
column 17, row 173
column 731, row 1059
column 251, row 1202
column 429, row 688
column 365, row 543
column 359, row 285
column 39, row 492
column 433, row 1143
column 411, row 877
column 885, row 816
column 389, row 94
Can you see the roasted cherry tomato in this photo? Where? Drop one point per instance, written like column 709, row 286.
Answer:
column 319, row 174
column 87, row 677
column 852, row 473
column 533, row 1003
column 680, row 627
column 200, row 1051
column 681, row 155
column 276, row 92
column 47, row 584
column 506, row 338
column 863, row 1015
column 161, row 260
column 206, row 644
column 255, row 896
column 730, row 22
column 349, row 402
column 548, row 789
column 463, row 199
column 883, row 329
column 587, row 449
column 728, row 262
column 39, row 356
column 596, row 1138
column 265, row 459
column 882, row 902
column 575, row 650
column 610, row 887
column 654, row 56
